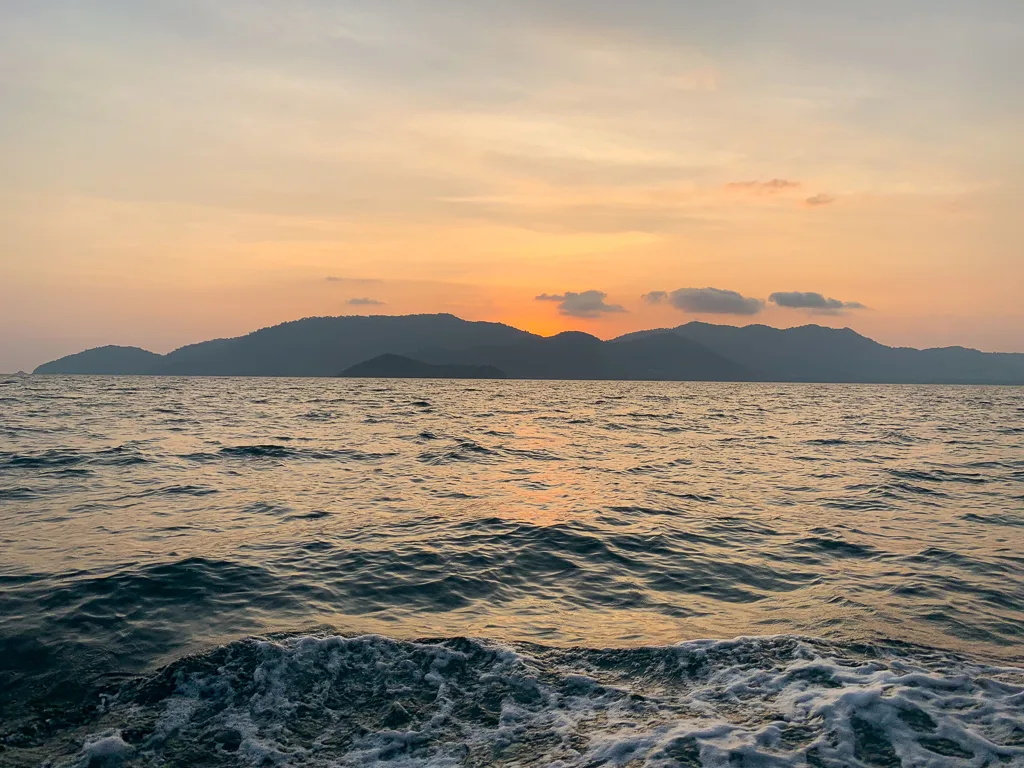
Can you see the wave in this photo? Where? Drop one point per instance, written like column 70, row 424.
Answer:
column 463, row 450
column 62, row 459
column 17, row 494
column 995, row 519
column 938, row 476
column 319, row 416
column 896, row 436
column 372, row 700
column 170, row 490
column 275, row 451
column 42, row 460
column 835, row 547
column 896, row 490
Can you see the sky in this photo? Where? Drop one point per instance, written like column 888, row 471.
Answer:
column 178, row 170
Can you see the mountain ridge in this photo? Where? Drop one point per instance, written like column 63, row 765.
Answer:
column 329, row 346
column 815, row 353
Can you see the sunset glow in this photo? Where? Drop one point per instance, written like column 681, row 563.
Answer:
column 180, row 171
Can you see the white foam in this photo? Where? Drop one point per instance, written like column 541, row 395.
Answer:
column 773, row 701
column 107, row 750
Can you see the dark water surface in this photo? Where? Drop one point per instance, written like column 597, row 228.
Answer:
column 337, row 572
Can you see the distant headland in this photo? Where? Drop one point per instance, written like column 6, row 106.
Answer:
column 445, row 346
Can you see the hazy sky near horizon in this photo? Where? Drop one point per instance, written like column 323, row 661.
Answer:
column 177, row 170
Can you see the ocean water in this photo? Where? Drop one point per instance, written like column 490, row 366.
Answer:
column 222, row 572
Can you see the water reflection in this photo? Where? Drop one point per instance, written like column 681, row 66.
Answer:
column 165, row 512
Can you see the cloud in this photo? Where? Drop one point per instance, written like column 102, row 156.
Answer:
column 819, row 200
column 769, row 187
column 364, row 302
column 585, row 304
column 815, row 302
column 707, row 301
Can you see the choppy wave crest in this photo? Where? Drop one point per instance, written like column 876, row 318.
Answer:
column 372, row 700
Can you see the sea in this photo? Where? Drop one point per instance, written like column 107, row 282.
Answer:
column 335, row 572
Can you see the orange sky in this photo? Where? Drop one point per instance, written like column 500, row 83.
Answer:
column 177, row 172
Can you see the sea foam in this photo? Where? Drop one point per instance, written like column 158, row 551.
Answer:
column 759, row 701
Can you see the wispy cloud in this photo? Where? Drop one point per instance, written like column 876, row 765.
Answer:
column 769, row 187
column 353, row 280
column 588, row 304
column 819, row 200
column 364, row 302
column 707, row 301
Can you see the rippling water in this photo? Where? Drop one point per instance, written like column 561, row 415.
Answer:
column 249, row 571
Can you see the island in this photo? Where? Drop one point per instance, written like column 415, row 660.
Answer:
column 388, row 366
column 445, row 346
